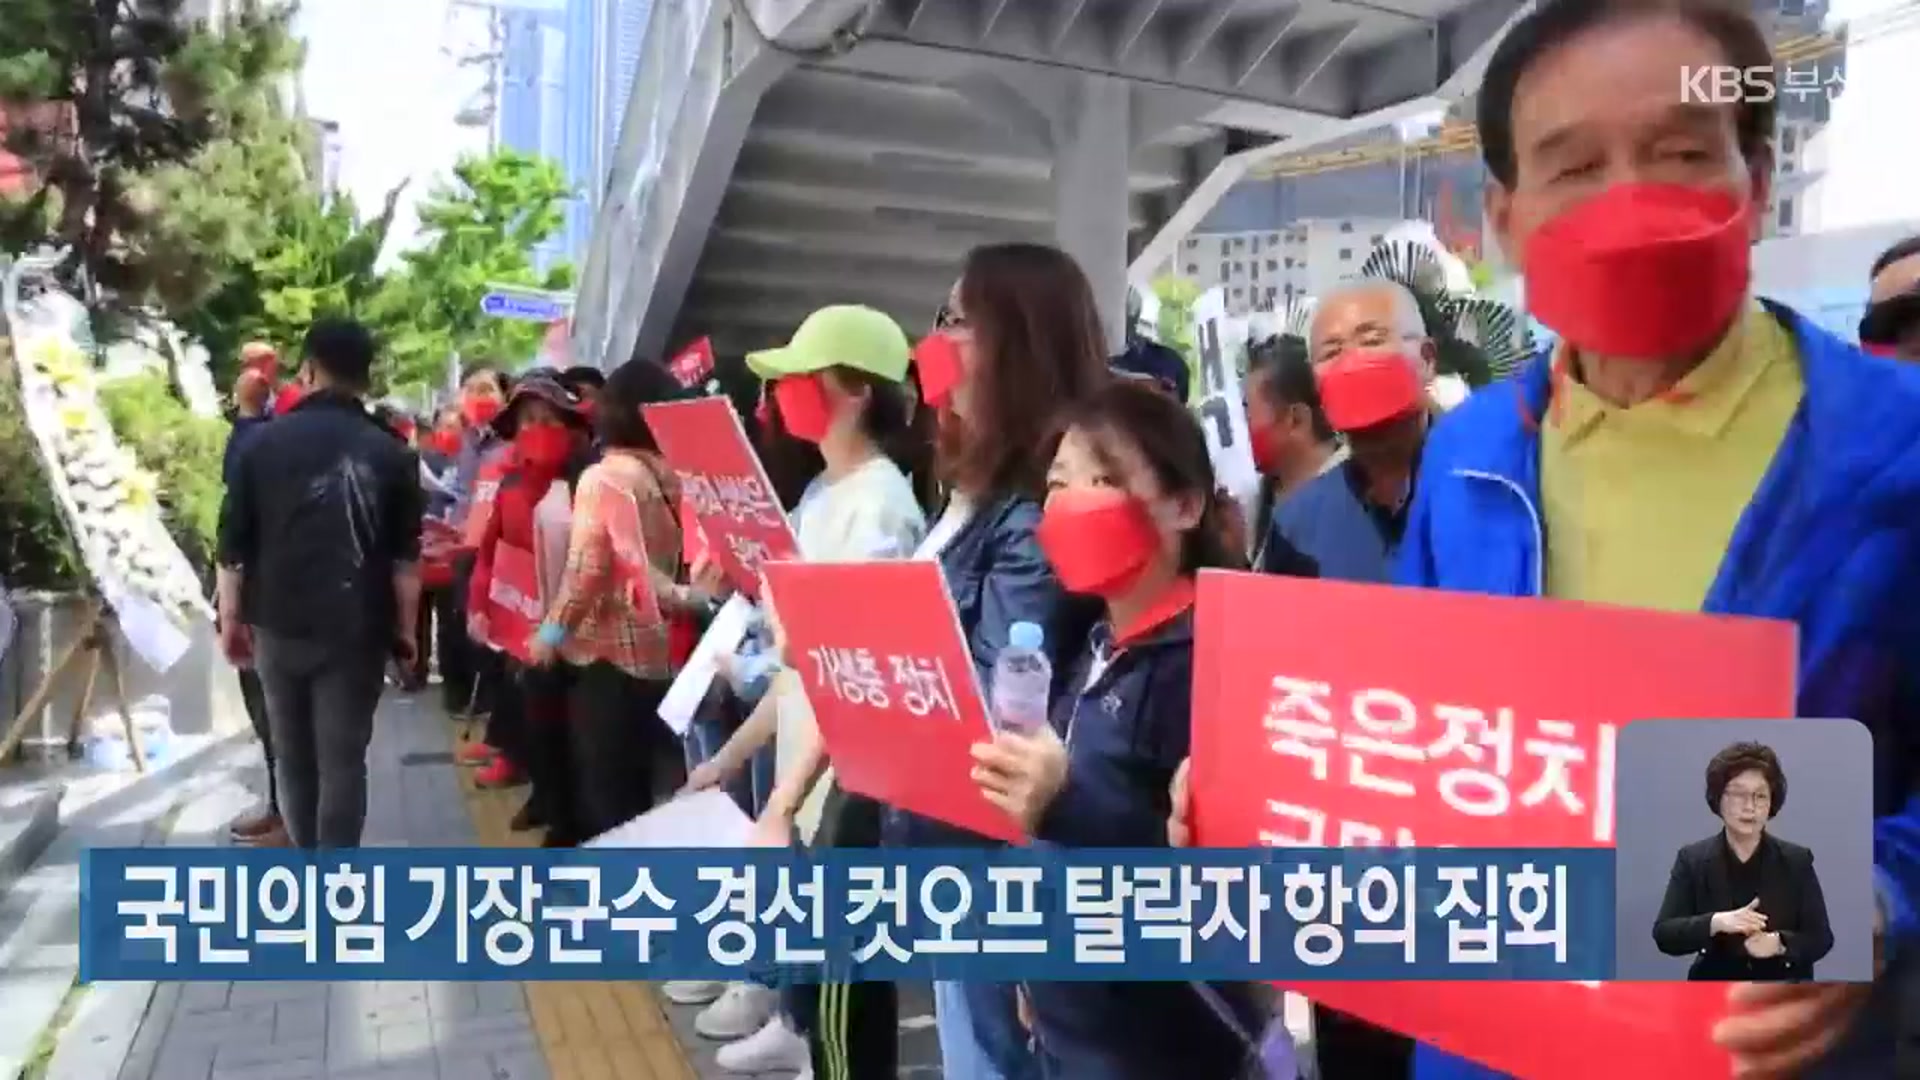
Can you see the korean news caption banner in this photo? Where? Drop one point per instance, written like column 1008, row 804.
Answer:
column 1003, row 915
column 723, row 480
column 1401, row 717
column 892, row 684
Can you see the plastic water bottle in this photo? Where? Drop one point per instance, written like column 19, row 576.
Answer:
column 1022, row 680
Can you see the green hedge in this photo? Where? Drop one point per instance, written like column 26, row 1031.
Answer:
column 183, row 451
column 35, row 552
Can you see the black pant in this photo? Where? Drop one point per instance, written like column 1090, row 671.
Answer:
column 506, row 707
column 617, row 740
column 852, row 1029
column 1349, row 1048
column 544, row 699
column 321, row 698
column 255, row 697
column 452, row 650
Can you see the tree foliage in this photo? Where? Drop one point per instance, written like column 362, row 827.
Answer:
column 479, row 229
column 322, row 260
column 157, row 143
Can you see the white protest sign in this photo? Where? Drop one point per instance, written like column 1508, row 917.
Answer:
column 1219, row 402
column 689, row 689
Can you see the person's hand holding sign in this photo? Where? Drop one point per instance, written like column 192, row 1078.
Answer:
column 1021, row 774
column 1776, row 1030
column 1179, row 833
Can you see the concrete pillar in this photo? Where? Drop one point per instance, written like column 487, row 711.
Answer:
column 1092, row 151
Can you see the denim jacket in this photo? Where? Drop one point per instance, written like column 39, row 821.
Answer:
column 998, row 576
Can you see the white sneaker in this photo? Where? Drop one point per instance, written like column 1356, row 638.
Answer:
column 774, row 1048
column 741, row 1011
column 692, row 991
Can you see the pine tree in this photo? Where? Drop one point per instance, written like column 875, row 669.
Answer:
column 118, row 94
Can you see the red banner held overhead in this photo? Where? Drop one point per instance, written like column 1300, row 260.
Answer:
column 694, row 363
column 892, row 685
column 1374, row 715
column 513, row 601
column 722, row 479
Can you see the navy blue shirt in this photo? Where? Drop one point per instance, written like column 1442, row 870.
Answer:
column 243, row 428
column 1127, row 722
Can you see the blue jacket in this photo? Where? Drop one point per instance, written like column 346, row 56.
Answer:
column 1326, row 530
column 1831, row 542
column 1127, row 731
column 998, row 576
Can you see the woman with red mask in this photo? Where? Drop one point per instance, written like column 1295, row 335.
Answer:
column 607, row 623
column 544, row 427
column 1132, row 513
column 839, row 386
column 468, row 688
column 1027, row 342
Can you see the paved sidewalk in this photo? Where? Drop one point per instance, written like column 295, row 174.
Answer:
column 358, row 1031
column 417, row 1030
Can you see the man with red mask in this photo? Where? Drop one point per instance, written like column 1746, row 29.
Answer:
column 1372, row 359
column 1685, row 447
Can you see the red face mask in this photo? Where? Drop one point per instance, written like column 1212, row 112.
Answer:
column 803, row 406
column 445, row 442
column 1266, row 451
column 480, row 411
column 1890, row 352
column 1642, row 271
column 1360, row 389
column 1099, row 541
column 937, row 361
column 543, row 446
column 289, row 396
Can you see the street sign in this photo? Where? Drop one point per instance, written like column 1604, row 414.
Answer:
column 525, row 307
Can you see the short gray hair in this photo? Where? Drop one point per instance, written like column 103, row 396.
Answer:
column 1407, row 318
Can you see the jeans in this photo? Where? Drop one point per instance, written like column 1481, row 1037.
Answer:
column 980, row 1033
column 321, row 698
column 718, row 717
column 255, row 698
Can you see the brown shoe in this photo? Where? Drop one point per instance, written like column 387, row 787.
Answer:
column 255, row 825
column 275, row 837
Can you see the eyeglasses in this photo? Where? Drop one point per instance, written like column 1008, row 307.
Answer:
column 1750, row 798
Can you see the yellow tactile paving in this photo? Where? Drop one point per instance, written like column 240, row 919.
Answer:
column 588, row 1031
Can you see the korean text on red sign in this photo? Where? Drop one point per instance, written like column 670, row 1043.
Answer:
column 514, row 606
column 1369, row 715
column 723, row 482
column 892, row 684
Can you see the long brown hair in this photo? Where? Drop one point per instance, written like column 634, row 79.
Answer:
column 1038, row 347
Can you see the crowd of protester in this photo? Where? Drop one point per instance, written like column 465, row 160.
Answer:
column 1718, row 454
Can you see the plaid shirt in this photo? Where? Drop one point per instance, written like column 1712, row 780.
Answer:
column 624, row 535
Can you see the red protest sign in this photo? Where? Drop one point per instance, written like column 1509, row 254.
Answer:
column 1375, row 715
column 513, row 601
column 693, row 363
column 722, row 479
column 892, row 685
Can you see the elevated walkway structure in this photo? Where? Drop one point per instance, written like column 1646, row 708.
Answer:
column 778, row 155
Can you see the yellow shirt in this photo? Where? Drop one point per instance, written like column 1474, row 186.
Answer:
column 1640, row 503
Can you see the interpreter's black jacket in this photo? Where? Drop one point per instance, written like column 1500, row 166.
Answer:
column 1708, row 878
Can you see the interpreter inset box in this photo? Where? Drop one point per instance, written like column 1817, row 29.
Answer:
column 1744, row 851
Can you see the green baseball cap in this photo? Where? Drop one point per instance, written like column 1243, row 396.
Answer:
column 844, row 335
